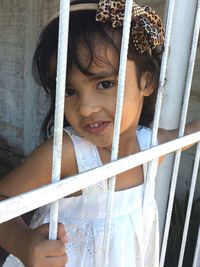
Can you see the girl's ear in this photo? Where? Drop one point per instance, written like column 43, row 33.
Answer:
column 146, row 84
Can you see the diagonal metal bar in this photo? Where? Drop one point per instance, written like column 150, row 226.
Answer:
column 19, row 205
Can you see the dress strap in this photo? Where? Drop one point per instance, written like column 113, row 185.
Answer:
column 87, row 157
column 144, row 138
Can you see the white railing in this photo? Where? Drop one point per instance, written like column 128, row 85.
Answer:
column 178, row 153
column 19, row 205
column 59, row 108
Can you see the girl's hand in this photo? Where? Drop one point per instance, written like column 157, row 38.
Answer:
column 38, row 251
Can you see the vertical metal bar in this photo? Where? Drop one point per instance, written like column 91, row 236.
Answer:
column 118, row 114
column 189, row 208
column 197, row 252
column 163, row 71
column 180, row 48
column 59, row 108
column 181, row 133
column 196, row 164
column 152, row 165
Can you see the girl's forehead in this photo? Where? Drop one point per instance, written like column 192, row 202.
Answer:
column 100, row 52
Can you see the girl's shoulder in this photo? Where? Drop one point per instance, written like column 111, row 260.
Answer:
column 36, row 170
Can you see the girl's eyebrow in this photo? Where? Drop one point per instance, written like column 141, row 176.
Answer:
column 103, row 74
column 98, row 75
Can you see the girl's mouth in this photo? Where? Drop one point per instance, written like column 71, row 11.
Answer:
column 97, row 127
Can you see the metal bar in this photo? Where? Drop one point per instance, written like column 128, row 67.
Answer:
column 116, row 134
column 189, row 208
column 18, row 205
column 180, row 48
column 151, row 165
column 59, row 108
column 181, row 133
column 197, row 252
column 163, row 72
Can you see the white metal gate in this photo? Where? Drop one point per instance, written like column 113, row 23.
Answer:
column 51, row 193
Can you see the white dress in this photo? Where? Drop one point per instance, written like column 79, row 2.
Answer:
column 134, row 241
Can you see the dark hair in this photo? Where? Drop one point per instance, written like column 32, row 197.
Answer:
column 83, row 26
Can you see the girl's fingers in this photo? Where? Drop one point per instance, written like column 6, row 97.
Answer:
column 62, row 234
column 44, row 250
column 53, row 248
column 49, row 253
column 43, row 229
column 57, row 261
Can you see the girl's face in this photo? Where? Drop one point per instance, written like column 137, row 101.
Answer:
column 91, row 100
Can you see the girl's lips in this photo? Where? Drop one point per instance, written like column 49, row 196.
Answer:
column 97, row 127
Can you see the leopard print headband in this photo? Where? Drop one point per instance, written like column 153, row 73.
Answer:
column 147, row 31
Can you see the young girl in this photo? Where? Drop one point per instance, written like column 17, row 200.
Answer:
column 91, row 88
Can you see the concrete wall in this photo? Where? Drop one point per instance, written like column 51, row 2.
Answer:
column 23, row 104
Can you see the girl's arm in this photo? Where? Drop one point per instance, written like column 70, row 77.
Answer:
column 35, row 172
column 168, row 135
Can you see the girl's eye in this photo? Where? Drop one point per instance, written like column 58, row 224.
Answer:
column 69, row 92
column 105, row 85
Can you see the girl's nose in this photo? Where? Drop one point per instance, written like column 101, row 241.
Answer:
column 89, row 105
